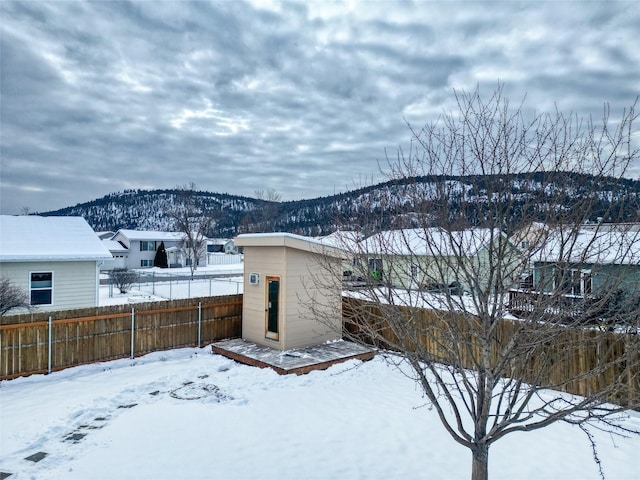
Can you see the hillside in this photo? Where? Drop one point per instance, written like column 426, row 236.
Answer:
column 392, row 204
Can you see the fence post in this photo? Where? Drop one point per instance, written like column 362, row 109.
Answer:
column 133, row 326
column 50, row 343
column 199, row 322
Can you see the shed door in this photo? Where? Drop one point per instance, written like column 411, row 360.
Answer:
column 273, row 306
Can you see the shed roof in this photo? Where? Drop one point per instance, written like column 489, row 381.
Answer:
column 28, row 238
column 290, row 240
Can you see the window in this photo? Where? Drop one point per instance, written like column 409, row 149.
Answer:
column 375, row 269
column 41, row 288
column 526, row 280
column 573, row 281
column 413, row 271
column 146, row 263
column 147, row 246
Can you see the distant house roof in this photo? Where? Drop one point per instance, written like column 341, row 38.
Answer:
column 106, row 235
column 218, row 241
column 151, row 235
column 345, row 239
column 31, row 238
column 615, row 247
column 114, row 246
column 430, row 241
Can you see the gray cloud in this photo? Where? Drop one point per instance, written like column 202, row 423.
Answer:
column 302, row 97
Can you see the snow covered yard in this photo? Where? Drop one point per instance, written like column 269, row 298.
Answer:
column 191, row 414
column 171, row 284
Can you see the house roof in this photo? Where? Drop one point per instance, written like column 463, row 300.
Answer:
column 29, row 238
column 617, row 247
column 151, row 235
column 114, row 246
column 430, row 241
column 345, row 239
column 218, row 241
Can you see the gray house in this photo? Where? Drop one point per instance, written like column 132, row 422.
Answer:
column 583, row 262
column 56, row 260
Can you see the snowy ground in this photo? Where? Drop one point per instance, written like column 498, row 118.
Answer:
column 142, row 419
column 166, row 287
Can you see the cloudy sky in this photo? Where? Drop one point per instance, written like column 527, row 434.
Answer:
column 300, row 97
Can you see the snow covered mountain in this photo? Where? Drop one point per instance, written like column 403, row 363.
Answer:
column 390, row 201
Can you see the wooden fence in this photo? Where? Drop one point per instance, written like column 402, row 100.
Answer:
column 580, row 361
column 49, row 341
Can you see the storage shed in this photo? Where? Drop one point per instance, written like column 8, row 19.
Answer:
column 292, row 290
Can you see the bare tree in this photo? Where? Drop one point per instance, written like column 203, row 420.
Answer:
column 192, row 218
column 123, row 279
column 264, row 216
column 497, row 198
column 12, row 296
column 267, row 214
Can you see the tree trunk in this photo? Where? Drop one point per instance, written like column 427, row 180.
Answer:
column 480, row 465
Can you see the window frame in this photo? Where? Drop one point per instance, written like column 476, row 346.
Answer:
column 145, row 262
column 48, row 288
column 147, row 244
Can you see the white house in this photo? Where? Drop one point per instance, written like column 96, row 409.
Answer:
column 141, row 246
column 56, row 260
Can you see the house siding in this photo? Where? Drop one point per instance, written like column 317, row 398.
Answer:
column 74, row 283
column 624, row 277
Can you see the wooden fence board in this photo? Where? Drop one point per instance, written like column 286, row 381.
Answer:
column 94, row 335
column 578, row 361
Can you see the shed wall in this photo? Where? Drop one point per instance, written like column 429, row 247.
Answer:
column 302, row 326
column 296, row 270
column 267, row 261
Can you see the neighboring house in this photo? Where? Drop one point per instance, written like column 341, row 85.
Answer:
column 292, row 290
column 348, row 241
column 221, row 245
column 529, row 240
column 588, row 272
column 436, row 259
column 56, row 260
column 143, row 244
column 119, row 252
column 585, row 261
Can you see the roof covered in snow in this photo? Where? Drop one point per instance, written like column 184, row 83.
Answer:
column 28, row 238
column 613, row 247
column 151, row 235
column 114, row 246
column 430, row 241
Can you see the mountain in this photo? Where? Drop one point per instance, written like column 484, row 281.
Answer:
column 392, row 204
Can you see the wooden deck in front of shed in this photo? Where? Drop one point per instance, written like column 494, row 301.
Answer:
column 298, row 361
